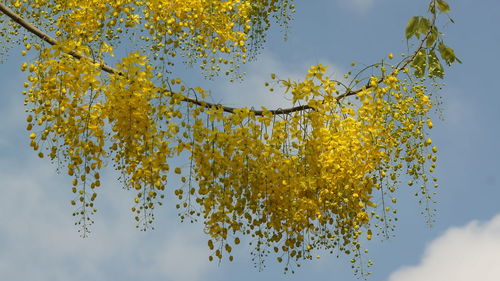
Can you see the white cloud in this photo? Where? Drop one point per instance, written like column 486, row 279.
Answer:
column 12, row 111
column 460, row 254
column 359, row 6
column 458, row 111
column 252, row 92
column 40, row 242
column 183, row 257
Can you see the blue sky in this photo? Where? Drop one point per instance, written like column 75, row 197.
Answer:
column 38, row 240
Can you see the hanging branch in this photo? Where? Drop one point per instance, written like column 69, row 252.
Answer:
column 106, row 68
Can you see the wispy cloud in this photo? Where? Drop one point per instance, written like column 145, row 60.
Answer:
column 358, row 6
column 252, row 90
column 12, row 111
column 183, row 257
column 462, row 253
column 40, row 242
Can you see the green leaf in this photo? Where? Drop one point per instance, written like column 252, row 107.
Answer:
column 447, row 54
column 431, row 39
column 435, row 66
column 418, row 64
column 432, row 7
column 411, row 27
column 423, row 26
column 443, row 6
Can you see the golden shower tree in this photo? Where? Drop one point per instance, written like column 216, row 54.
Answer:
column 319, row 175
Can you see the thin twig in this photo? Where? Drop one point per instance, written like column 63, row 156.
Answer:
column 106, row 68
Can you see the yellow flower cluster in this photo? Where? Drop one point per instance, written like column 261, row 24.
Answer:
column 293, row 182
column 217, row 33
column 67, row 119
column 141, row 130
column 305, row 181
column 83, row 117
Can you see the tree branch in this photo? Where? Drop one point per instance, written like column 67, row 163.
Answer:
column 45, row 37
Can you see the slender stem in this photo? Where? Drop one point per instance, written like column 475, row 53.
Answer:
column 45, row 37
